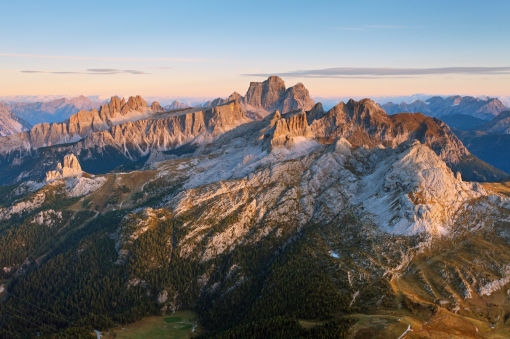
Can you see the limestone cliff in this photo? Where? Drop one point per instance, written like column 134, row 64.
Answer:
column 79, row 125
column 70, row 168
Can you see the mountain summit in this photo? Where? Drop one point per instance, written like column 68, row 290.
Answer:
column 263, row 98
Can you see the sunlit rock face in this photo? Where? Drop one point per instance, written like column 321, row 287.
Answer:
column 70, row 168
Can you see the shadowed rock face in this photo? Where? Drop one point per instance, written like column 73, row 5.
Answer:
column 266, row 94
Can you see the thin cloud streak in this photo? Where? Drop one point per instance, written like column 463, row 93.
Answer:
column 76, row 57
column 371, row 27
column 382, row 72
column 96, row 71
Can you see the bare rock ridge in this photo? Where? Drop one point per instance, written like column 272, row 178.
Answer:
column 81, row 124
column 138, row 138
column 123, row 132
column 263, row 98
column 70, row 168
column 10, row 123
column 365, row 123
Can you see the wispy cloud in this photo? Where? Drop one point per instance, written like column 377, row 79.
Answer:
column 102, row 58
column 99, row 71
column 371, row 27
column 371, row 73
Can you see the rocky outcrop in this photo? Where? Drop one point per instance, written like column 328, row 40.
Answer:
column 70, row 168
column 283, row 129
column 156, row 107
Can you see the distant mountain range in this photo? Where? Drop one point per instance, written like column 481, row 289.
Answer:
column 478, row 108
column 55, row 110
column 10, row 123
column 490, row 141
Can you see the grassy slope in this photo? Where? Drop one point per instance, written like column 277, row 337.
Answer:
column 177, row 326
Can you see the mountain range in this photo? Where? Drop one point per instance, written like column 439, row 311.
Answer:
column 462, row 112
column 10, row 123
column 265, row 214
column 55, row 110
column 129, row 134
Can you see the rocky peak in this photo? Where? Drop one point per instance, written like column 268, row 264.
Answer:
column 297, row 97
column 266, row 94
column 222, row 117
column 113, row 106
column 156, row 107
column 365, row 123
column 136, row 103
column 175, row 105
column 70, row 168
column 235, row 96
column 263, row 98
column 117, row 105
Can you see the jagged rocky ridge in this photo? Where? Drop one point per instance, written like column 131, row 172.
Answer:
column 80, row 124
column 103, row 140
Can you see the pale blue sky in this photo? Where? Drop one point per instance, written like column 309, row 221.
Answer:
column 207, row 48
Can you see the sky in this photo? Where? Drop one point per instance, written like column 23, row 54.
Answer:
column 211, row 48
